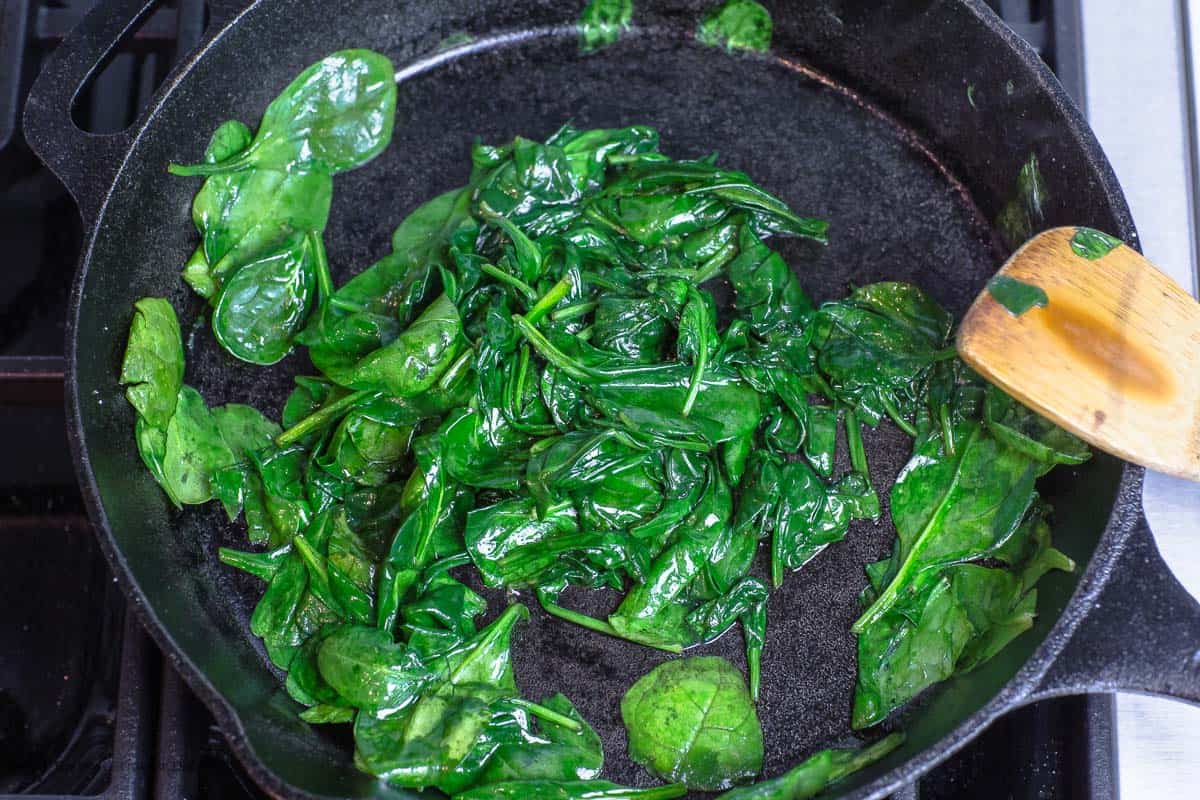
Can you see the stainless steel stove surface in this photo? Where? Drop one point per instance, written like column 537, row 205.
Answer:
column 87, row 706
column 1140, row 66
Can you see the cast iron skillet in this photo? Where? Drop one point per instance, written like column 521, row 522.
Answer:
column 906, row 166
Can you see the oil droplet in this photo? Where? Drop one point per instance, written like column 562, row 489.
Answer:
column 1129, row 369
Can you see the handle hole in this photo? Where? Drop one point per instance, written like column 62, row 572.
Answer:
column 121, row 87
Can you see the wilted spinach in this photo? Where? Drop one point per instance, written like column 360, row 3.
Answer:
column 262, row 211
column 537, row 385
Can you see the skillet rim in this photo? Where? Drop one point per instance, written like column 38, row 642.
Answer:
column 1020, row 689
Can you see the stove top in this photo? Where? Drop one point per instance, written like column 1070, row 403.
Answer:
column 88, row 708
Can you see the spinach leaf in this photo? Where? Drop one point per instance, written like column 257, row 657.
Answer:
column 811, row 776
column 1026, row 432
column 1016, row 296
column 601, row 23
column 768, row 292
column 371, row 671
column 692, row 721
column 247, row 215
column 953, row 509
column 876, row 347
column 549, row 752
column 266, row 302
column 195, row 449
column 415, row 360
column 1092, row 244
column 152, row 371
column 737, row 25
column 335, row 116
column 426, row 745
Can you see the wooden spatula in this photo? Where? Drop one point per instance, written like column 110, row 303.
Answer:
column 1109, row 348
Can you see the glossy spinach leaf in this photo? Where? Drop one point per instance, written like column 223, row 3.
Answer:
column 817, row 772
column 266, row 302
column 336, row 115
column 195, row 449
column 152, row 371
column 1023, row 430
column 415, row 360
column 692, row 721
column 371, row 671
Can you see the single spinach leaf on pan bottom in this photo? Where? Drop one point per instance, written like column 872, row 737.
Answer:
column 692, row 721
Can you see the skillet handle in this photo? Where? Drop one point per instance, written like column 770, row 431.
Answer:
column 85, row 162
column 1140, row 633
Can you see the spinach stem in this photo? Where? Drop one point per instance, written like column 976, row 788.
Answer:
column 551, row 353
column 754, row 666
column 776, row 558
column 324, row 279
column 595, row 216
column 514, row 388
column 322, row 417
column 715, row 263
column 343, row 304
column 858, row 453
column 511, row 280
column 697, row 378
column 236, row 164
column 945, row 354
column 897, row 417
column 549, row 300
column 547, row 714
column 456, row 368
column 573, row 311
column 598, row 625
column 947, row 428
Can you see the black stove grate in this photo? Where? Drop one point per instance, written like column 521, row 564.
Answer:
column 87, row 706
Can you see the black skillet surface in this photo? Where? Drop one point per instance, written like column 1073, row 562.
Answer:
column 863, row 159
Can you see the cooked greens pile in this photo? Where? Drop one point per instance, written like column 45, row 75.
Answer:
column 538, row 387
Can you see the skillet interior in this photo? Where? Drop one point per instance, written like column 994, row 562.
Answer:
column 896, row 212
